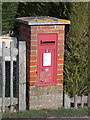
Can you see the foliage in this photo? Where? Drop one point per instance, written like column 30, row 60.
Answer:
column 54, row 9
column 9, row 10
column 76, row 53
column 44, row 113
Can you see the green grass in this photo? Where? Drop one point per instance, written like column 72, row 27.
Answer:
column 44, row 113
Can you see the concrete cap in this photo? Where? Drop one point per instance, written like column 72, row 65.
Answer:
column 42, row 20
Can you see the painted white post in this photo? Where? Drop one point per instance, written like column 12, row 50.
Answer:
column 3, row 77
column 66, row 101
column 22, row 75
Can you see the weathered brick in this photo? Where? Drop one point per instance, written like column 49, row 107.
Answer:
column 34, row 42
column 60, row 77
column 61, row 42
column 33, row 63
column 33, row 79
column 60, row 47
column 32, row 83
column 61, row 31
column 34, row 27
column 33, row 53
column 59, row 81
column 33, row 68
column 36, row 31
column 46, row 27
column 33, row 74
column 60, row 67
column 61, row 36
column 33, row 47
column 33, row 58
column 61, row 52
column 59, row 71
column 60, row 57
column 60, row 27
column 48, row 31
column 33, row 37
column 60, row 61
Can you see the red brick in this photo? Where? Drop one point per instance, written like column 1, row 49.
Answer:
column 60, row 72
column 61, row 52
column 61, row 36
column 60, row 46
column 47, row 27
column 33, row 68
column 33, row 74
column 32, row 83
column 55, row 31
column 59, row 81
column 34, row 27
column 33, row 37
column 34, row 43
column 60, row 77
column 60, row 26
column 60, row 56
column 60, row 61
column 39, row 27
column 60, row 41
column 33, row 47
column 61, row 31
column 60, row 67
column 48, row 31
column 33, row 58
column 36, row 31
column 33, row 79
column 33, row 53
column 33, row 63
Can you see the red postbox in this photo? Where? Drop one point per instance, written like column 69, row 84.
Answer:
column 47, row 58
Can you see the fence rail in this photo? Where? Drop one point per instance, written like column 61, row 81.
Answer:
column 77, row 101
column 11, row 54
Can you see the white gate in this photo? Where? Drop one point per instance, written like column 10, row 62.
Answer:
column 9, row 53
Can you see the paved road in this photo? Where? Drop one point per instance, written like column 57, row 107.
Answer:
column 51, row 118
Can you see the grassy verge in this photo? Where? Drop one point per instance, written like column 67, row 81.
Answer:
column 44, row 113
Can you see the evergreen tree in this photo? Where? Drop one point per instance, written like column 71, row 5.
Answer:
column 9, row 10
column 76, row 53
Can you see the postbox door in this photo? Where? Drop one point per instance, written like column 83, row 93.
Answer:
column 46, row 66
column 47, row 58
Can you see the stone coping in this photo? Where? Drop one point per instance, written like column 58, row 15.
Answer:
column 42, row 20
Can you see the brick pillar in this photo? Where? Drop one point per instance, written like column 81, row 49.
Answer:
column 43, row 96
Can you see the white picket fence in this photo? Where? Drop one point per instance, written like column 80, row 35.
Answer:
column 9, row 52
column 76, row 102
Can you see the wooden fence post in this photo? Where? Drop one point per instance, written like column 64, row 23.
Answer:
column 3, row 77
column 22, row 75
